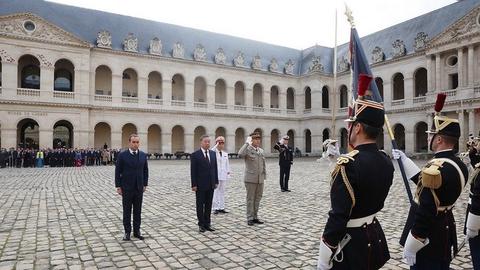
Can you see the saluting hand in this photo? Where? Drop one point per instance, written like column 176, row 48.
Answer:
column 194, row 188
column 119, row 190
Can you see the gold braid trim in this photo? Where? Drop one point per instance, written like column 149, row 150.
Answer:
column 419, row 190
column 349, row 187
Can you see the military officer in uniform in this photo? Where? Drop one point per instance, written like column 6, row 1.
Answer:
column 353, row 237
column 432, row 235
column 255, row 174
column 285, row 161
column 472, row 226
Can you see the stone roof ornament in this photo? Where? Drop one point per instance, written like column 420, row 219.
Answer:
column 343, row 64
column 178, row 50
column 316, row 64
column 273, row 67
column 220, row 57
column 257, row 62
column 200, row 54
column 377, row 55
column 398, row 48
column 420, row 41
column 155, row 46
column 104, row 39
column 130, row 43
column 289, row 67
column 239, row 60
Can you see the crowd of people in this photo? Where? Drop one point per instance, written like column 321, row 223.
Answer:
column 60, row 157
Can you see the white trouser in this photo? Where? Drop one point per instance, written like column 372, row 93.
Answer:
column 219, row 195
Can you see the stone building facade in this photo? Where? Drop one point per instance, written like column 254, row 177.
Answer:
column 74, row 82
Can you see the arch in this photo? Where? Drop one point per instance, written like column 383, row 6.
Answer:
column 28, row 72
column 220, row 91
column 399, row 133
column 343, row 96
column 257, row 95
column 239, row 93
column 64, row 76
column 274, row 92
column 178, row 139
column 200, row 90
column 239, row 138
column 325, row 134
column 421, row 138
column 398, row 86
column 291, row 141
column 197, row 133
column 220, row 131
column 420, row 80
column 154, row 86
column 62, row 134
column 102, row 135
column 290, row 98
column 0, row 71
column 379, row 83
column 178, row 87
column 127, row 130
column 308, row 141
column 154, row 138
column 343, row 140
column 129, row 83
column 274, row 138
column 325, row 97
column 28, row 135
column 308, row 98
column 103, row 80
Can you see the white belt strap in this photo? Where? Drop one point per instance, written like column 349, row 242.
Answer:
column 358, row 222
column 462, row 181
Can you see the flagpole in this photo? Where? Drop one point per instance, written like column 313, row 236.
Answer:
column 334, row 90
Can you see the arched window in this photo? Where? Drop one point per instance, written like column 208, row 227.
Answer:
column 421, row 144
column 379, row 82
column 325, row 98
column 154, row 85
column 239, row 93
column 343, row 96
column 308, row 98
column 29, row 72
column 257, row 95
column 399, row 133
column 308, row 141
column 420, row 82
column 274, row 97
column 398, row 87
column 220, row 92
column 103, row 81
column 63, row 80
column 290, row 98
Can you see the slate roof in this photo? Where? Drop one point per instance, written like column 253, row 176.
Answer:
column 86, row 23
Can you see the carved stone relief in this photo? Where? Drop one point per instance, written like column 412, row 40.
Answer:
column 156, row 46
column 130, row 43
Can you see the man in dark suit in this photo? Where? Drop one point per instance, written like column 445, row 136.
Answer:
column 285, row 160
column 131, row 180
column 204, row 176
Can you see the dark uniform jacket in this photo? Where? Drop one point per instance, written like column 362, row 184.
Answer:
column 370, row 174
column 131, row 172
column 439, row 226
column 285, row 158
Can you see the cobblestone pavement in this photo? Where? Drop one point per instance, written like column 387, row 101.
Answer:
column 59, row 218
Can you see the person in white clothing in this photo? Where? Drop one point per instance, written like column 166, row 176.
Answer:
column 223, row 166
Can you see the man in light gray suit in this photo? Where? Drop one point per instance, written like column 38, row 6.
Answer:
column 255, row 174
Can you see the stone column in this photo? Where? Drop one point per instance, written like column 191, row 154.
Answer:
column 230, row 92
column 81, row 86
column 409, row 141
column 282, row 100
column 230, row 142
column 189, row 143
column 117, row 89
column 438, row 78
column 471, row 122
column 46, row 138
column 166, row 142
column 143, row 136
column 9, row 80
column 189, row 94
column 316, row 144
column 461, row 140
column 9, row 137
column 142, row 90
column 249, row 97
column 429, row 124
column 470, row 64
column 266, row 99
column 116, row 139
column 46, row 82
column 167, row 94
column 210, row 95
column 387, row 93
column 460, row 68
column 409, row 91
column 430, row 73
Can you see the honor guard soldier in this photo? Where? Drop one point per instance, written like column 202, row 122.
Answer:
column 285, row 161
column 431, row 232
column 472, row 226
column 353, row 237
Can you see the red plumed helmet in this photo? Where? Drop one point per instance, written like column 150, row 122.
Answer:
column 363, row 84
column 440, row 102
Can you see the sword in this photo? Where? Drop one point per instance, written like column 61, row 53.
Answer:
column 341, row 245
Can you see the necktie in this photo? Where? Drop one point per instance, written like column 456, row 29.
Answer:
column 220, row 154
column 206, row 157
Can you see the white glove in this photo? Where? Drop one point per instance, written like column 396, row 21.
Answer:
column 281, row 141
column 473, row 225
column 249, row 140
column 412, row 246
column 411, row 169
column 324, row 257
column 471, row 233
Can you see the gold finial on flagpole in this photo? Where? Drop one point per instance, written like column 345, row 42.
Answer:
column 348, row 13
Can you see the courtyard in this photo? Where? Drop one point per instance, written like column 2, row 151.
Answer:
column 71, row 218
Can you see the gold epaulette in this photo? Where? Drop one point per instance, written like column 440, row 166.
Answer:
column 344, row 159
column 431, row 175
